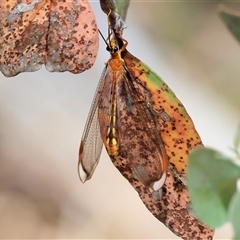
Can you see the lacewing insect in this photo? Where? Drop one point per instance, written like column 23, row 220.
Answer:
column 147, row 134
column 123, row 119
column 61, row 34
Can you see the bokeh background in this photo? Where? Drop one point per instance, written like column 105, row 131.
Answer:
column 42, row 116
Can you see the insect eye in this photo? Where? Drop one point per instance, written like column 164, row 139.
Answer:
column 115, row 49
column 108, row 48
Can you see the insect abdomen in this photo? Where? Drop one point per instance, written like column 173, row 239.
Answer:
column 112, row 138
column 112, row 141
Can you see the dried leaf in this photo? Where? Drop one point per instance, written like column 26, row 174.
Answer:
column 171, row 205
column 63, row 35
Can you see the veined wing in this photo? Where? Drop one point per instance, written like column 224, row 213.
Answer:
column 107, row 111
column 177, row 129
column 140, row 146
column 91, row 142
column 139, row 133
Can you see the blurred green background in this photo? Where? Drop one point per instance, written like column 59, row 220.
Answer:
column 42, row 116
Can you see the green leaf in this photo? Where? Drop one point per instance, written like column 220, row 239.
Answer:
column 236, row 142
column 212, row 183
column 122, row 7
column 234, row 214
column 232, row 21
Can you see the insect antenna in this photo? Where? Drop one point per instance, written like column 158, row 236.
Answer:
column 103, row 37
column 107, row 41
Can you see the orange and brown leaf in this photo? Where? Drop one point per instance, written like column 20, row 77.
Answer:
column 171, row 205
column 63, row 35
column 177, row 129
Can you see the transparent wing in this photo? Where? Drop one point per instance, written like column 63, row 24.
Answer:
column 139, row 133
column 177, row 128
column 91, row 142
column 140, row 150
